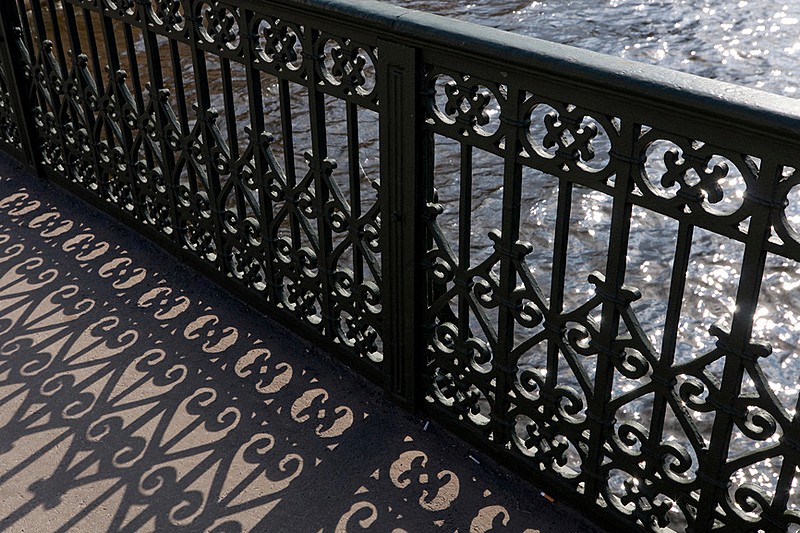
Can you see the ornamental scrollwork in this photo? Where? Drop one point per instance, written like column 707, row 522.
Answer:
column 220, row 25
column 347, row 67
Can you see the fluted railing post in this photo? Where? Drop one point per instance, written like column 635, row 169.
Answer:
column 402, row 222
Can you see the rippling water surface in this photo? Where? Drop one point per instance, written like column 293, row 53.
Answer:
column 754, row 43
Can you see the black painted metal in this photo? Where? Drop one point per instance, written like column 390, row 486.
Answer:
column 136, row 107
column 15, row 127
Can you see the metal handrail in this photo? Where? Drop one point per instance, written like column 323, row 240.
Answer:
column 641, row 86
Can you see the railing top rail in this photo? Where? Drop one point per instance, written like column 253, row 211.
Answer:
column 756, row 111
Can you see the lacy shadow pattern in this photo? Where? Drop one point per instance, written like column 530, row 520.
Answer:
column 134, row 397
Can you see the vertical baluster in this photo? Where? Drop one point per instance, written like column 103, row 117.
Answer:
column 262, row 159
column 167, row 159
column 94, row 51
column 194, row 20
column 429, row 198
column 180, row 89
column 58, row 44
column 288, row 155
column 133, row 62
column 230, row 108
column 558, row 278
column 504, row 368
column 84, row 90
column 680, row 265
column 182, row 104
column 662, row 375
column 788, row 472
column 464, row 240
column 600, row 419
column 38, row 20
column 285, row 97
column 21, row 16
column 138, row 95
column 112, row 67
column 49, row 99
column 736, row 346
column 230, row 122
column 354, row 160
column 321, row 173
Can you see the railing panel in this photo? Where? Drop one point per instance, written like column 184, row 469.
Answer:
column 176, row 137
column 577, row 385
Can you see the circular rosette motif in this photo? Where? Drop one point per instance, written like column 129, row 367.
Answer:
column 694, row 177
column 279, row 43
column 348, row 65
column 168, row 14
column 219, row 24
column 470, row 106
column 569, row 139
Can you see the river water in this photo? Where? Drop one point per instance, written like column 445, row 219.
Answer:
column 749, row 42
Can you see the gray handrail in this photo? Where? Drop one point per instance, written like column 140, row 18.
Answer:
column 623, row 80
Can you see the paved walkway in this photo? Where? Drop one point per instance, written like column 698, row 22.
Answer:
column 136, row 396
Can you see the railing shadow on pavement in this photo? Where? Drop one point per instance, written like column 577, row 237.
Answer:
column 135, row 396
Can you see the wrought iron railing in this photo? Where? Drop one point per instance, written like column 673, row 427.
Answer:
column 365, row 174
